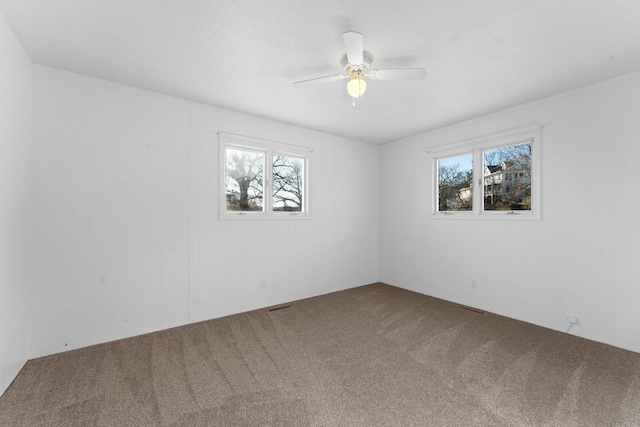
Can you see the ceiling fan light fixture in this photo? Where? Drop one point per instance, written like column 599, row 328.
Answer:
column 357, row 63
column 356, row 87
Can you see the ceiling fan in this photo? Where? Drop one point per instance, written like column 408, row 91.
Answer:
column 357, row 65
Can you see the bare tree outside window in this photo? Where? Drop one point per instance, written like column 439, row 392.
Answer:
column 455, row 176
column 244, row 175
column 288, row 174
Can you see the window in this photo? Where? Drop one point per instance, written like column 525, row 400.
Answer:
column 493, row 177
column 501, row 192
column 244, row 180
column 455, row 176
column 262, row 179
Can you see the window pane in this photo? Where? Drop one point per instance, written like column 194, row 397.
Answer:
column 244, row 178
column 288, row 185
column 455, row 176
column 507, row 178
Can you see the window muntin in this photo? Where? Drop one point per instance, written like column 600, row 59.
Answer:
column 262, row 179
column 505, row 172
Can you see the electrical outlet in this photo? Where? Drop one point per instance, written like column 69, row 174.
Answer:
column 474, row 284
column 572, row 320
column 263, row 283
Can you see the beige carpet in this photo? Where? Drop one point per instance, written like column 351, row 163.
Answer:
column 374, row 355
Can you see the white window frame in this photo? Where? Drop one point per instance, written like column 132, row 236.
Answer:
column 269, row 149
column 531, row 133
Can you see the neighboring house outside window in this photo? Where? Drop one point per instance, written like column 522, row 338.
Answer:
column 507, row 186
column 491, row 177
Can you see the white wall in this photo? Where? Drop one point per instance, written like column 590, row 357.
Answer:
column 582, row 259
column 15, row 146
column 336, row 249
column 125, row 231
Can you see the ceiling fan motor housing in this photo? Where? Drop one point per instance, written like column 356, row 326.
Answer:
column 364, row 67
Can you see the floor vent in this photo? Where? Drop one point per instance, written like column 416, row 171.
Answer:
column 279, row 308
column 475, row 310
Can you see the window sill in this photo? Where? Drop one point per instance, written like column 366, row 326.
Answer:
column 261, row 216
column 492, row 216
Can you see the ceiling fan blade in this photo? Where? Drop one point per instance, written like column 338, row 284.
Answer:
column 353, row 45
column 398, row 74
column 318, row 80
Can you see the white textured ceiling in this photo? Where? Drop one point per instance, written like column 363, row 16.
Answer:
column 481, row 55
